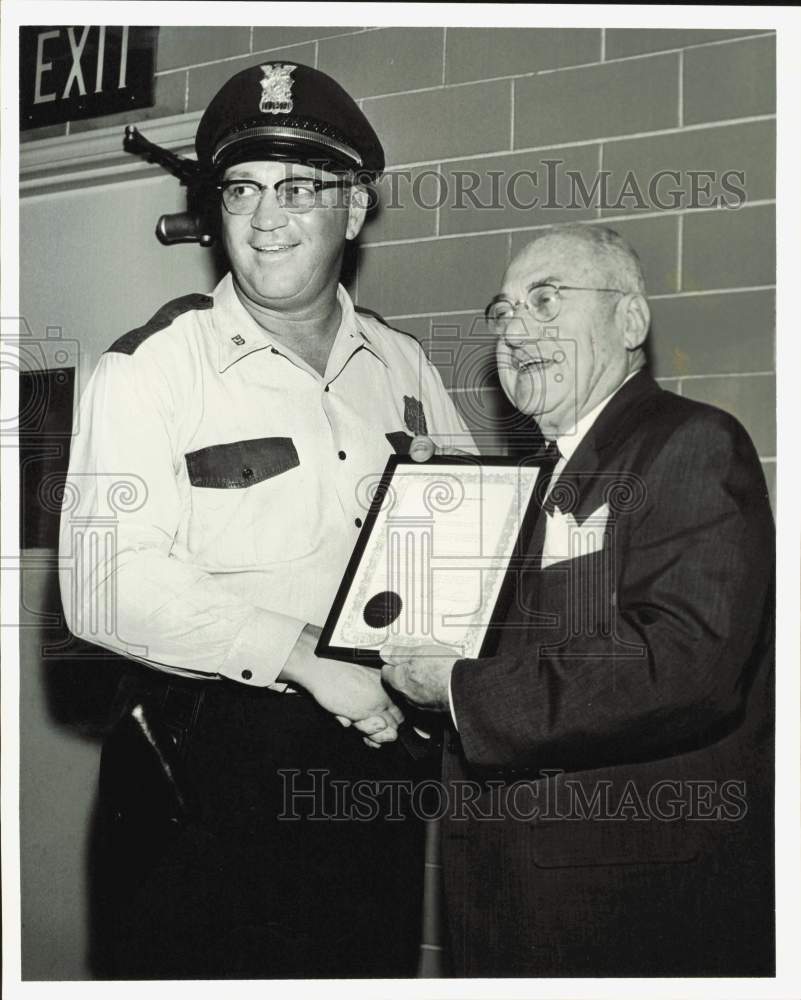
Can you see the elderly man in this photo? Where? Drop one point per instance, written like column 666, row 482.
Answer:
column 245, row 422
column 617, row 814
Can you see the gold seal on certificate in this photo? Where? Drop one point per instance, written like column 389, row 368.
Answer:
column 431, row 560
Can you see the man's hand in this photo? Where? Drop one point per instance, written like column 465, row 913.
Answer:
column 422, row 674
column 354, row 694
column 376, row 729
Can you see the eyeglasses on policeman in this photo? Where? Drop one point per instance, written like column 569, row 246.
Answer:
column 294, row 194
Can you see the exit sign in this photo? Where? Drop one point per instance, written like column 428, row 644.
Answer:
column 67, row 73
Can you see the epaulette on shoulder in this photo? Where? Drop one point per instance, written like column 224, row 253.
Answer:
column 363, row 311
column 129, row 342
column 380, row 319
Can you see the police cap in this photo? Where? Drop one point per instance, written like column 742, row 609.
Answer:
column 290, row 112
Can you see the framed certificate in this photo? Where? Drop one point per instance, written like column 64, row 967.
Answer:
column 432, row 558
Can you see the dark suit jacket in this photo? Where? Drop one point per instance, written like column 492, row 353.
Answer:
column 619, row 743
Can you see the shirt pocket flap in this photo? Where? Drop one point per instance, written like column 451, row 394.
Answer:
column 239, row 464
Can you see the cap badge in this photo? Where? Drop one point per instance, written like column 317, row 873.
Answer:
column 276, row 88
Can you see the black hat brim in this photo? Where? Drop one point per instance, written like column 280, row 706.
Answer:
column 284, row 148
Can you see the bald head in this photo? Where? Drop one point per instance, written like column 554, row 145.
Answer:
column 603, row 256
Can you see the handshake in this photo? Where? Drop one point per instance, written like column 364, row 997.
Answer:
column 365, row 698
column 361, row 696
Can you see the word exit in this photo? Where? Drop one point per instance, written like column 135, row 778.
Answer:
column 76, row 72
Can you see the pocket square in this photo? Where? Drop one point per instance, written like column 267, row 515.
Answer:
column 566, row 539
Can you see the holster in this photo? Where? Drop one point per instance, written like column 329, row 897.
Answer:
column 146, row 796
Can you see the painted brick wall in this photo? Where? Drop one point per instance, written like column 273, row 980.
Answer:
column 449, row 103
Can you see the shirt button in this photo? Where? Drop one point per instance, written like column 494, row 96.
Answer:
column 247, row 473
column 273, row 351
column 247, row 674
column 358, row 522
column 342, row 455
column 327, row 388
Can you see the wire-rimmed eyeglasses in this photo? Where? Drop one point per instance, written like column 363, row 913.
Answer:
column 543, row 301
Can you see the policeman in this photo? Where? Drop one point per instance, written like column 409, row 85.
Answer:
column 245, row 425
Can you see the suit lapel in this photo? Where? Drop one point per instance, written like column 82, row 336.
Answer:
column 581, row 486
column 581, row 489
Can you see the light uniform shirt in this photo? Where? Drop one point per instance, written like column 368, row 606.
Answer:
column 217, row 483
column 567, row 445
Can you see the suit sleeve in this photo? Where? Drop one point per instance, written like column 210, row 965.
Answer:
column 664, row 666
column 121, row 585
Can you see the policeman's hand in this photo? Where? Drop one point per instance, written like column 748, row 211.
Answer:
column 421, row 673
column 422, row 448
column 377, row 729
column 356, row 695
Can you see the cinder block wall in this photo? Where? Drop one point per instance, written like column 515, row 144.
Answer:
column 453, row 102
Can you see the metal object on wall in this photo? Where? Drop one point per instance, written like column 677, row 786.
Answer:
column 196, row 224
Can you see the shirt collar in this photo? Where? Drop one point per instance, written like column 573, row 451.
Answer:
column 240, row 335
column 352, row 324
column 568, row 443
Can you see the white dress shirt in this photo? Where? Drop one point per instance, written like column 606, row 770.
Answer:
column 247, row 479
column 568, row 443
